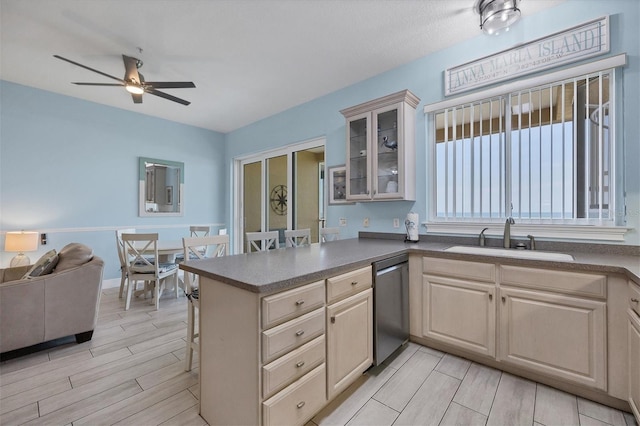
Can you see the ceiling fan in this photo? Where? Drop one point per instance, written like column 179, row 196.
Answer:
column 134, row 83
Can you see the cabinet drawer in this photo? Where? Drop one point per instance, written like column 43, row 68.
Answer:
column 292, row 366
column 285, row 337
column 292, row 303
column 297, row 403
column 476, row 271
column 634, row 297
column 347, row 284
column 575, row 283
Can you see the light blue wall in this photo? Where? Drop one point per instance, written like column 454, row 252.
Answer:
column 70, row 167
column 424, row 77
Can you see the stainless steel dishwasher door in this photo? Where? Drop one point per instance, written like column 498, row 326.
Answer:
column 391, row 306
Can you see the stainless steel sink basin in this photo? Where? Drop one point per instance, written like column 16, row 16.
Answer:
column 520, row 254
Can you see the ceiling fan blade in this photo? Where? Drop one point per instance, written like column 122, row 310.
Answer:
column 88, row 68
column 153, row 91
column 137, row 99
column 170, row 84
column 98, row 84
column 131, row 69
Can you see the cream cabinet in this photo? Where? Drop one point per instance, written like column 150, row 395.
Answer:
column 458, row 302
column 555, row 323
column 545, row 321
column 381, row 148
column 634, row 348
column 561, row 336
column 274, row 359
column 349, row 329
column 460, row 312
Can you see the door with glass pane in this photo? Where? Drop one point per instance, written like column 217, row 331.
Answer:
column 283, row 190
column 308, row 195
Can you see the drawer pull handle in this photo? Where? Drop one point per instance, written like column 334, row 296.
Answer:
column 490, row 296
column 634, row 300
column 333, row 320
column 299, row 302
column 300, row 404
column 299, row 364
column 299, row 333
column 354, row 282
column 503, row 299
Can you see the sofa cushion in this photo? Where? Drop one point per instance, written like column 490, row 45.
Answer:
column 73, row 255
column 43, row 266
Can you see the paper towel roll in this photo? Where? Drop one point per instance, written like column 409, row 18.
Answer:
column 412, row 224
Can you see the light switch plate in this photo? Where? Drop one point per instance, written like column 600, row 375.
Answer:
column 396, row 223
column 343, row 221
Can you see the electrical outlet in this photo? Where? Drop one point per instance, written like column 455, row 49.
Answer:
column 365, row 222
column 343, row 221
column 396, row 223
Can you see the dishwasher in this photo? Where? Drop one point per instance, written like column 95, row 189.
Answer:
column 391, row 306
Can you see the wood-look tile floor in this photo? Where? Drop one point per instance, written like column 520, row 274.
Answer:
column 132, row 372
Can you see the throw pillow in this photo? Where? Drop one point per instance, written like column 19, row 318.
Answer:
column 43, row 266
column 73, row 255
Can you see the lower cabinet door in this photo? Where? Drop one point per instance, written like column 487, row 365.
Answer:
column 298, row 402
column 634, row 363
column 349, row 340
column 560, row 336
column 459, row 312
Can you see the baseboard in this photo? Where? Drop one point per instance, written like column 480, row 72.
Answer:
column 113, row 282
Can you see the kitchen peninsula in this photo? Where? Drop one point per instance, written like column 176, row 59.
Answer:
column 270, row 322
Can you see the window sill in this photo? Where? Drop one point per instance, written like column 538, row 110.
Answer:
column 555, row 232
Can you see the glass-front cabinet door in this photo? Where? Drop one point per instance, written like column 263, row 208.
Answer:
column 387, row 167
column 381, row 148
column 358, row 172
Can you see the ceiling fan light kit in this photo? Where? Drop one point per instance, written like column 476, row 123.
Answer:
column 135, row 89
column 497, row 15
column 134, row 83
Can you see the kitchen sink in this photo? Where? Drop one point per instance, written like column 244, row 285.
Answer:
column 503, row 252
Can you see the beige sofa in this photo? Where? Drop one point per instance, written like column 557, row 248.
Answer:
column 62, row 303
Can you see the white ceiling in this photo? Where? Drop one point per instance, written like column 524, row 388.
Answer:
column 249, row 59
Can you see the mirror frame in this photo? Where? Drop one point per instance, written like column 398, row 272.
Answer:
column 142, row 176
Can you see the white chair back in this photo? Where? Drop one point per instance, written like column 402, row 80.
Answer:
column 261, row 241
column 297, row 237
column 329, row 234
column 199, row 231
column 143, row 263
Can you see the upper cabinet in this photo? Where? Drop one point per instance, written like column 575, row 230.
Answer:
column 381, row 148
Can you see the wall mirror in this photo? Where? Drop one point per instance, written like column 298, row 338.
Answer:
column 161, row 187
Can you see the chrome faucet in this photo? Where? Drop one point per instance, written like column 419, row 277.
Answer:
column 481, row 238
column 507, row 232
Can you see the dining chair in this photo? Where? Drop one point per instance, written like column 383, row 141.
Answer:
column 122, row 256
column 214, row 246
column 297, row 237
column 194, row 231
column 199, row 231
column 261, row 241
column 329, row 234
column 142, row 267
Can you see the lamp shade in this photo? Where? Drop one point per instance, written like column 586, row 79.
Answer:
column 21, row 241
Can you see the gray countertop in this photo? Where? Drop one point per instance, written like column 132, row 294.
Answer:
column 276, row 270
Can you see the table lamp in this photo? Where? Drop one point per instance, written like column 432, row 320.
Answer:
column 21, row 242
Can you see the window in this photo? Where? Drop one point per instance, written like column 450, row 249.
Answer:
column 540, row 155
